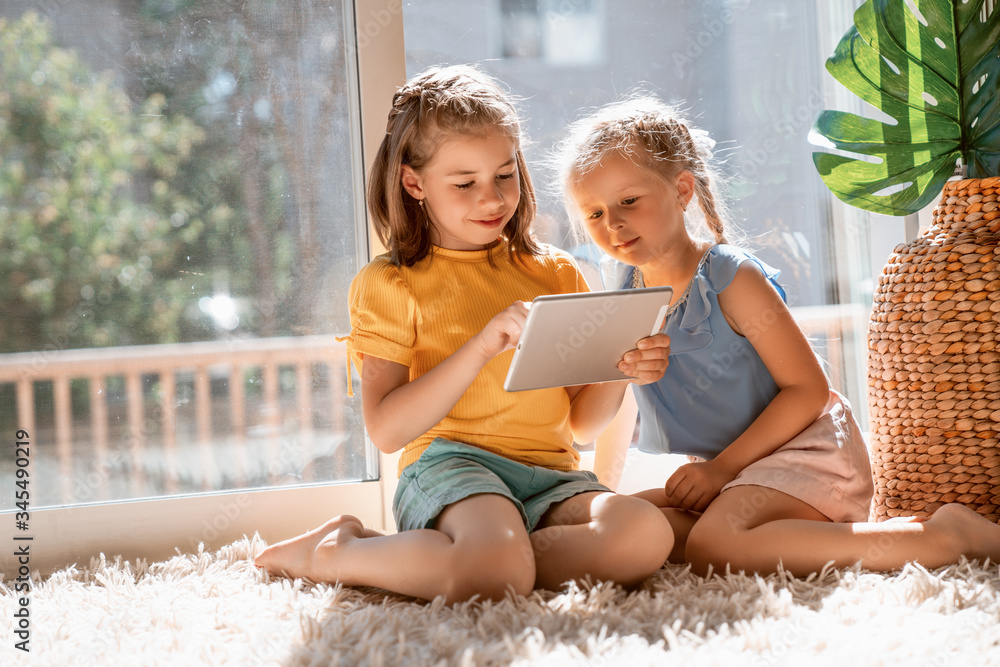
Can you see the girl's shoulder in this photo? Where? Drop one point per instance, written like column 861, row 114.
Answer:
column 722, row 261
column 696, row 313
column 380, row 269
column 555, row 261
column 550, row 256
column 380, row 265
column 378, row 277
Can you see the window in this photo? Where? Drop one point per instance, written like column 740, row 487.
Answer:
column 522, row 28
column 751, row 74
column 180, row 219
column 560, row 32
column 182, row 353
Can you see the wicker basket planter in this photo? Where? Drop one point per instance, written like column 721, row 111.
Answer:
column 933, row 362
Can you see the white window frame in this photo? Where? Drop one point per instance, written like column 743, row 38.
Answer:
column 158, row 528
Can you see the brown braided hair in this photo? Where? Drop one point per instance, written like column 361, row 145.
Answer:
column 437, row 104
column 652, row 134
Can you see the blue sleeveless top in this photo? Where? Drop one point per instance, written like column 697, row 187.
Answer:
column 716, row 384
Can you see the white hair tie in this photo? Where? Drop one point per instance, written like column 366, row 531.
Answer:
column 702, row 141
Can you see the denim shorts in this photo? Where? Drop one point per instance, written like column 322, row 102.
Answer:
column 447, row 472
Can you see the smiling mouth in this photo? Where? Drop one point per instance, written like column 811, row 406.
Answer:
column 495, row 222
column 626, row 244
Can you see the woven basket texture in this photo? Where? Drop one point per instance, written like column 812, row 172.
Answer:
column 933, row 363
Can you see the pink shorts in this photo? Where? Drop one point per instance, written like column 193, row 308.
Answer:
column 826, row 466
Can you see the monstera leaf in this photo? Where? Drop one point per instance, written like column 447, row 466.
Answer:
column 936, row 72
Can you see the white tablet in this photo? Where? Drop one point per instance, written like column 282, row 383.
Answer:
column 580, row 338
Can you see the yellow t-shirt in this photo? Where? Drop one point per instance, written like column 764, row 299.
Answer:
column 419, row 315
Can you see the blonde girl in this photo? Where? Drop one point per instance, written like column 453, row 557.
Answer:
column 781, row 475
column 490, row 497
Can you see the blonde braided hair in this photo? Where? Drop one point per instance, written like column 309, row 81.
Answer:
column 655, row 136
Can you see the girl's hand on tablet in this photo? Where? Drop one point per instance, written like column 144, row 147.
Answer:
column 504, row 330
column 648, row 362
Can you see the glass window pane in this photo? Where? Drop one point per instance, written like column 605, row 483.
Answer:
column 180, row 220
column 751, row 74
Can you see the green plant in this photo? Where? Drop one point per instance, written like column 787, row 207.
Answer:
column 934, row 67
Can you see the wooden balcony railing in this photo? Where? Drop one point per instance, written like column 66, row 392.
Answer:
column 274, row 412
column 208, row 361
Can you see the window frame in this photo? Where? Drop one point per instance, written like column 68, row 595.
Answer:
column 157, row 528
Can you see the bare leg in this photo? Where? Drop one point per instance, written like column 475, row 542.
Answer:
column 607, row 536
column 479, row 547
column 294, row 557
column 681, row 521
column 752, row 528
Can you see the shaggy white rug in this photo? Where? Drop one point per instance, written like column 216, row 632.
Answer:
column 218, row 609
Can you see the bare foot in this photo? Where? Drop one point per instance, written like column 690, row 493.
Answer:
column 313, row 555
column 976, row 536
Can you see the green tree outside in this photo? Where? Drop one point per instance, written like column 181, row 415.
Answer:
column 92, row 229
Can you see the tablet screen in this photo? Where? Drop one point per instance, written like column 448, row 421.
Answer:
column 572, row 339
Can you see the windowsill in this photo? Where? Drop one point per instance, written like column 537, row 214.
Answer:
column 157, row 529
column 642, row 471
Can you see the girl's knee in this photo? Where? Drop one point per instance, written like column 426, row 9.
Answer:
column 709, row 545
column 637, row 533
column 491, row 569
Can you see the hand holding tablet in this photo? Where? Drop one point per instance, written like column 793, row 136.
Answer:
column 572, row 339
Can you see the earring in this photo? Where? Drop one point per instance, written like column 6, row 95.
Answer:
column 421, row 202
